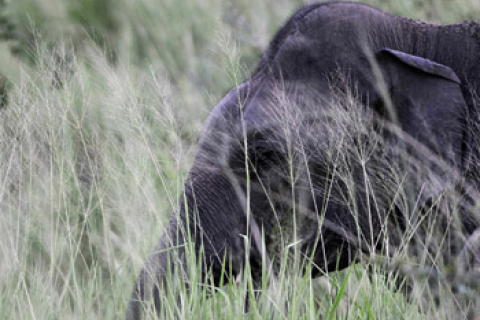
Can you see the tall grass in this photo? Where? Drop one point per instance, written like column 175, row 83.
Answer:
column 96, row 139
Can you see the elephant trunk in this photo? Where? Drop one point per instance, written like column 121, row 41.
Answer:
column 168, row 255
column 208, row 228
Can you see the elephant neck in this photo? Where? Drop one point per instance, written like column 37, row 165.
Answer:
column 458, row 46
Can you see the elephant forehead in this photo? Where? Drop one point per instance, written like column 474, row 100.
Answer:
column 348, row 18
column 313, row 53
column 287, row 103
column 301, row 58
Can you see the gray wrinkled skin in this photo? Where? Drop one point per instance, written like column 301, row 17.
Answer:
column 413, row 86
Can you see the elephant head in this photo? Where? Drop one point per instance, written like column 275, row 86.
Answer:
column 345, row 111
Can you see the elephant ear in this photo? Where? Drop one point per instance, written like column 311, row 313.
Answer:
column 424, row 99
column 427, row 101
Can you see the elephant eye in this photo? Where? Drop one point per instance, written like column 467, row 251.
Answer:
column 264, row 151
column 264, row 154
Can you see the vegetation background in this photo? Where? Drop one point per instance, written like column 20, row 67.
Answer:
column 102, row 102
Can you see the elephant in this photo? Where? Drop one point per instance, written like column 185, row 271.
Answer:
column 344, row 95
